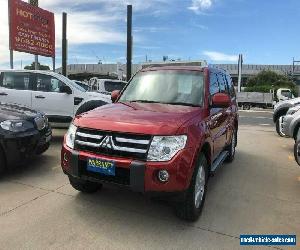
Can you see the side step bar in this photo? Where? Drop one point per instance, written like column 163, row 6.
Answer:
column 218, row 161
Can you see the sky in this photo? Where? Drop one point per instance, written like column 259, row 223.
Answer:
column 264, row 31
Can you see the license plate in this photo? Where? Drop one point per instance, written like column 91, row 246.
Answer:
column 101, row 166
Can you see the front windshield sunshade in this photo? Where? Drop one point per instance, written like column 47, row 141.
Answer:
column 166, row 86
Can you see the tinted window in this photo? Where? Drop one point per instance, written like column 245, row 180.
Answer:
column 111, row 86
column 47, row 83
column 16, row 80
column 230, row 86
column 222, row 84
column 213, row 86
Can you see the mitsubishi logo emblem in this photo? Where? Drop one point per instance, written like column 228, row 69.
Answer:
column 107, row 142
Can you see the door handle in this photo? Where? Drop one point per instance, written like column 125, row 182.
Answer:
column 3, row 94
column 40, row 97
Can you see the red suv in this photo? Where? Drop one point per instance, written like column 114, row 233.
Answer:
column 166, row 132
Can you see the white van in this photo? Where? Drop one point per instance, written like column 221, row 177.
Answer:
column 54, row 94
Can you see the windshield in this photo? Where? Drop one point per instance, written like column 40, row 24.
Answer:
column 84, row 86
column 287, row 93
column 166, row 86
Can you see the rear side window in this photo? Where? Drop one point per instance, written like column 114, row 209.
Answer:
column 16, row 80
column 230, row 86
column 214, row 85
column 222, row 84
column 111, row 86
column 47, row 83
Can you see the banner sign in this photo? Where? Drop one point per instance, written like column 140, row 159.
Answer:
column 32, row 29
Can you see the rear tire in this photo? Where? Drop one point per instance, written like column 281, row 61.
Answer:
column 191, row 207
column 297, row 151
column 84, row 186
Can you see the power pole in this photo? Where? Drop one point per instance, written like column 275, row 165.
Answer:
column 129, row 41
column 64, row 44
column 240, row 66
column 36, row 57
column 11, row 52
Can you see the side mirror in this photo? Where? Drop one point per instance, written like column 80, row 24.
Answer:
column 115, row 95
column 220, row 100
column 65, row 89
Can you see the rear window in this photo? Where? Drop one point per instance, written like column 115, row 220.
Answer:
column 111, row 86
column 16, row 80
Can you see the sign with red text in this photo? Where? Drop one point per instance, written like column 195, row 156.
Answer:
column 32, row 29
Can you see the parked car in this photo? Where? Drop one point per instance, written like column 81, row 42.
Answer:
column 106, row 85
column 291, row 122
column 165, row 133
column 23, row 133
column 280, row 110
column 51, row 93
column 83, row 85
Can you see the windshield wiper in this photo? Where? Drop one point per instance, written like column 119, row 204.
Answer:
column 144, row 101
column 183, row 104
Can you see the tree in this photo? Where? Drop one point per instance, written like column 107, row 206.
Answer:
column 267, row 80
column 41, row 67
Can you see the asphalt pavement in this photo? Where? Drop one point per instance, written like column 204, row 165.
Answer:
column 259, row 193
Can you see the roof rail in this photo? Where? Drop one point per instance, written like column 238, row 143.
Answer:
column 175, row 63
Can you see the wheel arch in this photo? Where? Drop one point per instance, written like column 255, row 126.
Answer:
column 89, row 105
column 280, row 112
column 207, row 151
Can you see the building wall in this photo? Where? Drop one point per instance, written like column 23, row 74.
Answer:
column 232, row 69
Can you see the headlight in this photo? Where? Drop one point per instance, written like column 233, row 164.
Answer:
column 293, row 110
column 70, row 136
column 16, row 125
column 163, row 148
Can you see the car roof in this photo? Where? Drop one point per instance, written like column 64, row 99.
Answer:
column 190, row 68
column 47, row 72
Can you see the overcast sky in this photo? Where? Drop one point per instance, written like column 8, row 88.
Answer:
column 264, row 31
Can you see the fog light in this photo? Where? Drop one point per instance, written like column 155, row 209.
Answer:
column 66, row 158
column 163, row 175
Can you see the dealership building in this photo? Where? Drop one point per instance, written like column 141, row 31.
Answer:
column 87, row 71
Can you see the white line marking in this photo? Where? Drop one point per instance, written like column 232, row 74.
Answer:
column 257, row 111
column 264, row 124
column 256, row 117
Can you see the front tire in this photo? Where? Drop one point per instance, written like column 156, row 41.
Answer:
column 190, row 209
column 231, row 147
column 297, row 151
column 84, row 186
column 42, row 149
column 279, row 127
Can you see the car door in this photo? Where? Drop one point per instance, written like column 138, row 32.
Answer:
column 48, row 98
column 232, row 109
column 217, row 121
column 16, row 87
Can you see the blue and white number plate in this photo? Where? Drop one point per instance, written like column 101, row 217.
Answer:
column 101, row 166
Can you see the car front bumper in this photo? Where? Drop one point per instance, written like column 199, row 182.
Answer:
column 139, row 176
column 19, row 147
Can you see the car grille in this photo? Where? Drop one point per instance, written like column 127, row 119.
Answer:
column 112, row 143
column 122, row 176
